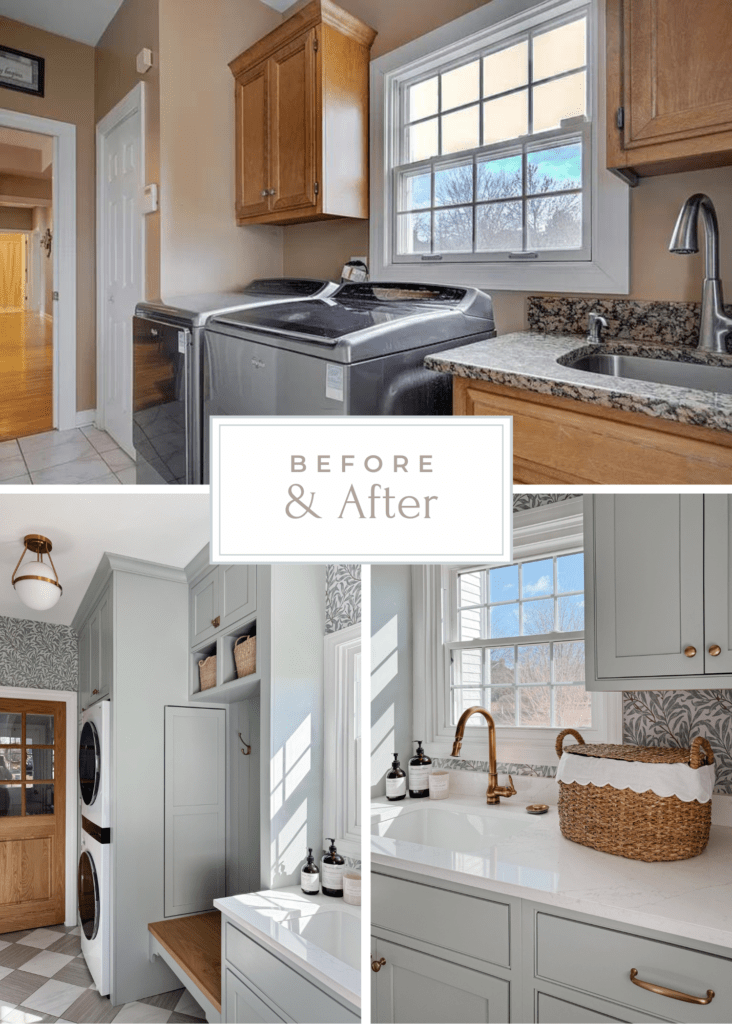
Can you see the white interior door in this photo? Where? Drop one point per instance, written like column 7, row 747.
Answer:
column 121, row 267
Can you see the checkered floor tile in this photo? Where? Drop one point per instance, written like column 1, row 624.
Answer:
column 44, row 977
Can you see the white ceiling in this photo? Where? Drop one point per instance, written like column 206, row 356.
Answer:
column 83, row 20
column 166, row 528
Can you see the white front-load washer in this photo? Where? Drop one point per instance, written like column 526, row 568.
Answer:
column 94, row 764
column 94, row 901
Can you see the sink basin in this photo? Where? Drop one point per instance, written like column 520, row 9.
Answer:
column 336, row 932
column 660, row 371
column 451, row 830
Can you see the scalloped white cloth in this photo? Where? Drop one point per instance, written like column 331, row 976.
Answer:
column 679, row 780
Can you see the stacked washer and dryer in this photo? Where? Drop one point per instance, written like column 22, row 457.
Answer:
column 95, row 850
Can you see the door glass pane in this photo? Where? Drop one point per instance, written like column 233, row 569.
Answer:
column 11, row 764
column 9, row 801
column 560, row 49
column 505, row 118
column 39, row 799
column 461, row 130
column 39, row 729
column 39, row 764
column 461, row 85
column 554, row 222
column 454, row 229
column 498, row 227
column 506, row 69
column 422, row 100
column 10, row 728
column 557, row 100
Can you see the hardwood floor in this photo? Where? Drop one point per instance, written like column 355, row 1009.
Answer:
column 26, row 375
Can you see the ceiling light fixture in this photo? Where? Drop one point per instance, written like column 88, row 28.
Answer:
column 37, row 591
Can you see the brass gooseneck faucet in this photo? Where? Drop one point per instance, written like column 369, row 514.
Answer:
column 494, row 792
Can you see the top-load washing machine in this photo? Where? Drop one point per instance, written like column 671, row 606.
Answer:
column 94, row 764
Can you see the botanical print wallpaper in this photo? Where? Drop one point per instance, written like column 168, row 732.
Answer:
column 38, row 654
column 342, row 597
column 522, row 502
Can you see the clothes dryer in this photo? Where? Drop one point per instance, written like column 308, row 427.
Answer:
column 94, row 764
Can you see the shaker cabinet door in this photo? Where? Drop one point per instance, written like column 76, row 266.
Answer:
column 106, row 641
column 237, row 593
column 421, row 989
column 204, row 608
column 645, row 569
column 293, row 126
column 240, row 1003
column 85, row 666
column 252, row 158
column 717, row 584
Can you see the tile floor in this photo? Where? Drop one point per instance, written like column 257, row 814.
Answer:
column 82, row 456
column 43, row 977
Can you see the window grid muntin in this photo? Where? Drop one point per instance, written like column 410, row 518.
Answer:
column 24, row 747
column 400, row 130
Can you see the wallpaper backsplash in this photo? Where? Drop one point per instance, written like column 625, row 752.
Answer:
column 40, row 655
column 342, row 597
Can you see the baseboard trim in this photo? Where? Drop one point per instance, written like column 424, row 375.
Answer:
column 86, row 418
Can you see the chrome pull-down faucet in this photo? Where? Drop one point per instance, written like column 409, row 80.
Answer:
column 715, row 324
column 494, row 792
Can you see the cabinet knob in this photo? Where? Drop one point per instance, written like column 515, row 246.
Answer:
column 690, row 652
column 95, row 691
column 265, row 192
column 715, row 650
column 217, row 622
column 376, row 965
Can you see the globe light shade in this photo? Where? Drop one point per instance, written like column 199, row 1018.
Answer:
column 38, row 594
column 36, row 587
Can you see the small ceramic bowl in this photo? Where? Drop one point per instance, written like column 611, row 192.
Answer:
column 537, row 808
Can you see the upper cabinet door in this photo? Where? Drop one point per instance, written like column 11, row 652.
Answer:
column 717, row 584
column 204, row 608
column 646, row 571
column 106, row 642
column 85, row 665
column 293, row 125
column 252, row 157
column 238, row 593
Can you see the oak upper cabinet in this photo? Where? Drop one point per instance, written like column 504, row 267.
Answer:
column 669, row 85
column 657, row 581
column 302, row 111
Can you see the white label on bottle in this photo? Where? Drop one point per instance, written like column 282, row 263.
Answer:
column 396, row 787
column 332, row 875
column 309, row 882
column 419, row 776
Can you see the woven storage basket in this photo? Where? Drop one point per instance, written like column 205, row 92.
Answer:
column 245, row 655
column 641, row 826
column 207, row 672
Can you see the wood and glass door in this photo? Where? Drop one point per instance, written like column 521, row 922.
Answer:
column 32, row 813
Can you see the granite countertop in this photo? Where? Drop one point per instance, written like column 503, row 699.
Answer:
column 503, row 849
column 527, row 360
column 261, row 915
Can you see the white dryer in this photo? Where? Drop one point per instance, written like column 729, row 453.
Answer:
column 94, row 901
column 94, row 764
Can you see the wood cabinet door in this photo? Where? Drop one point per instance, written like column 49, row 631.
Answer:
column 717, row 584
column 293, row 102
column 237, row 593
column 415, row 987
column 204, row 608
column 32, row 813
column 648, row 586
column 252, row 143
column 677, row 69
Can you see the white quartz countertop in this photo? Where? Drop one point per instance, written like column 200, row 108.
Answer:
column 260, row 915
column 503, row 849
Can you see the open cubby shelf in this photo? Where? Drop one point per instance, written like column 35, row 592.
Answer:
column 229, row 686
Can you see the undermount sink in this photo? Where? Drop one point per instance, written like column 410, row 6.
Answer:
column 698, row 376
column 457, row 831
column 336, row 932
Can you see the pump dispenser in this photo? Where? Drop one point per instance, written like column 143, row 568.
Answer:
column 332, row 869
column 396, row 781
column 419, row 773
column 310, row 876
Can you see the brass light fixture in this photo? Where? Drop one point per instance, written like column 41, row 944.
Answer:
column 35, row 588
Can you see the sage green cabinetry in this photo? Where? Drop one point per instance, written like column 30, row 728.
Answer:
column 96, row 652
column 222, row 596
column 658, row 569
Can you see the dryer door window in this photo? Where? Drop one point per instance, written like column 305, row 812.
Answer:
column 89, row 763
column 88, row 896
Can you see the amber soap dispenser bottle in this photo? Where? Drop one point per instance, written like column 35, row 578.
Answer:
column 419, row 773
column 331, row 872
column 396, row 781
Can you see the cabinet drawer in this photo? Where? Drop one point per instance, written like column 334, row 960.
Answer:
column 598, row 960
column 550, row 1010
column 480, row 928
column 284, row 987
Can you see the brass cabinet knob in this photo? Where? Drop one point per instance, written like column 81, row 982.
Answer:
column 715, row 650
column 95, row 691
column 376, row 965
column 690, row 652
column 217, row 622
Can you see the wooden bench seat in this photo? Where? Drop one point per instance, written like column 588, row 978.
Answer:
column 193, row 944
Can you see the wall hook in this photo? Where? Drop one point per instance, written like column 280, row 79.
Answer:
column 247, row 745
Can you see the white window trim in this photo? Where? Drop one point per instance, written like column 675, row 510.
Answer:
column 548, row 529
column 609, row 269
column 341, row 775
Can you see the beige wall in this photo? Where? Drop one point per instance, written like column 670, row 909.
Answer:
column 16, row 218
column 69, row 97
column 202, row 249
column 135, row 26
column 322, row 249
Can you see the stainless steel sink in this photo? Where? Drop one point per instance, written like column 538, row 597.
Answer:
column 660, row 371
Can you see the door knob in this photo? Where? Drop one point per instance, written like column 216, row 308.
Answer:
column 715, row 650
column 376, row 965
column 216, row 622
column 690, row 652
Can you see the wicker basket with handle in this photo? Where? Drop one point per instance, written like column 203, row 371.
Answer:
column 245, row 655
column 207, row 672
column 641, row 826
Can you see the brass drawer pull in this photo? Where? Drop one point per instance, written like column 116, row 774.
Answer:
column 715, row 650
column 670, row 992
column 216, row 622
column 690, row 652
column 376, row 965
